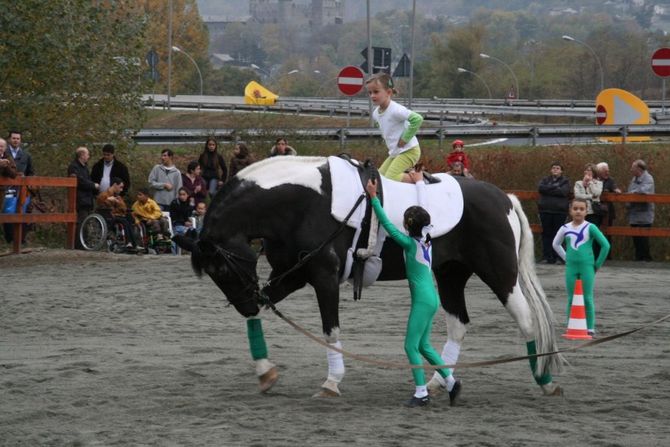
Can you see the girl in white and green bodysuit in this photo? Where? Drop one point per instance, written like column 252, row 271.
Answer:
column 425, row 300
column 579, row 260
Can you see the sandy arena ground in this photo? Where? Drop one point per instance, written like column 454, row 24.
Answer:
column 99, row 349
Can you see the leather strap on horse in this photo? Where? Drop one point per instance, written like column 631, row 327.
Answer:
column 309, row 255
column 459, row 365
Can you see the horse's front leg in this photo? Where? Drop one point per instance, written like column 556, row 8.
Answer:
column 324, row 279
column 265, row 370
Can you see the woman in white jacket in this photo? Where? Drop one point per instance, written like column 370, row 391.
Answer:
column 590, row 188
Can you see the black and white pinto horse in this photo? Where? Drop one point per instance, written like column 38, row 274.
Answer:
column 287, row 202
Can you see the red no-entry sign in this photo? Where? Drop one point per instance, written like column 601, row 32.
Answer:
column 660, row 62
column 350, row 80
column 601, row 114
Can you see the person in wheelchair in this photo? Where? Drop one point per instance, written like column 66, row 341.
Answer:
column 110, row 204
column 146, row 210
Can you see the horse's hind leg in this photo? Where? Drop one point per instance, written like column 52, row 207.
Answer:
column 451, row 280
column 517, row 305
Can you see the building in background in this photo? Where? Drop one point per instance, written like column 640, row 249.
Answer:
column 297, row 12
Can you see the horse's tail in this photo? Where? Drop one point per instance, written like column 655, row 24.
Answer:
column 535, row 297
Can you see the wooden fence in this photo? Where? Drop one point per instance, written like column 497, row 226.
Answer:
column 23, row 184
column 661, row 199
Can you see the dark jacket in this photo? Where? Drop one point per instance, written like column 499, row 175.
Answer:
column 86, row 190
column 239, row 163
column 213, row 166
column 554, row 195
column 23, row 161
column 609, row 185
column 118, row 170
column 7, row 172
column 180, row 212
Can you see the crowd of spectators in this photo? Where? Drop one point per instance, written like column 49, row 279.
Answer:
column 556, row 194
column 185, row 195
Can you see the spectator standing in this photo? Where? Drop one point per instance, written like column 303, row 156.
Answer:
column 165, row 179
column 609, row 185
column 241, row 158
column 281, row 147
column 213, row 166
column 194, row 184
column 458, row 155
column 21, row 157
column 107, row 168
column 7, row 165
column 641, row 214
column 86, row 188
column 589, row 188
column 24, row 167
column 553, row 207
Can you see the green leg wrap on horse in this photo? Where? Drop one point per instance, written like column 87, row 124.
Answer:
column 259, row 349
column 532, row 350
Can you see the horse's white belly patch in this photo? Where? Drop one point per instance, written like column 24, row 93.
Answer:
column 283, row 170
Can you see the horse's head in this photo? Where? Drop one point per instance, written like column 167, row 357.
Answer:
column 232, row 267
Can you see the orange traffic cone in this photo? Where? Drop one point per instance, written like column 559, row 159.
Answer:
column 577, row 323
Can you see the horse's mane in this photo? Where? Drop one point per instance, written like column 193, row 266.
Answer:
column 275, row 171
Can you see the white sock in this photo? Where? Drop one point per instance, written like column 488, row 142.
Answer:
column 421, row 391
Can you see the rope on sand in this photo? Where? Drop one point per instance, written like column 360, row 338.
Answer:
column 459, row 365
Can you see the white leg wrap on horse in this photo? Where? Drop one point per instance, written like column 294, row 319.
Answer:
column 263, row 366
column 335, row 363
column 450, row 352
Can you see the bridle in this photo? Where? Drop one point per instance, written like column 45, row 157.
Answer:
column 247, row 276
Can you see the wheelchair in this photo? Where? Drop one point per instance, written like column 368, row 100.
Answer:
column 99, row 231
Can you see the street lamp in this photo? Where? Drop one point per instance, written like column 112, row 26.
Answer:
column 600, row 66
column 516, row 81
column 463, row 70
column 179, row 50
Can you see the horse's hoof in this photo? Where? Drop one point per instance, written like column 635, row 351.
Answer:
column 325, row 392
column 267, row 380
column 556, row 391
column 434, row 387
column 328, row 389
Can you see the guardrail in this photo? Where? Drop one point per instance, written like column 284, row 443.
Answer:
column 661, row 199
column 531, row 132
column 23, row 184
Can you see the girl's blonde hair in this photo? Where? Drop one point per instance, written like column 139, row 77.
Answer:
column 384, row 79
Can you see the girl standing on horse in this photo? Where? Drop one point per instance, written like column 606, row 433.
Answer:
column 424, row 298
column 398, row 126
column 580, row 262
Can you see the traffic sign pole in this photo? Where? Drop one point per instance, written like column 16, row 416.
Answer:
column 660, row 65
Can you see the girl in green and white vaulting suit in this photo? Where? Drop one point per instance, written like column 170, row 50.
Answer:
column 580, row 263
column 424, row 298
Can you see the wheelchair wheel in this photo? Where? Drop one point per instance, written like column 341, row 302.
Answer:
column 93, row 232
column 116, row 241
